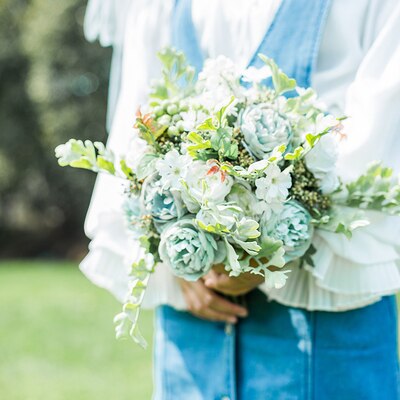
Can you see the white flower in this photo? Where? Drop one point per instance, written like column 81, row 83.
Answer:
column 243, row 196
column 172, row 169
column 205, row 183
column 329, row 183
column 218, row 184
column 268, row 209
column 324, row 122
column 274, row 186
column 137, row 148
column 258, row 165
column 218, row 82
column 256, row 75
column 311, row 98
column 321, row 161
column 192, row 118
column 261, row 164
column 220, row 71
column 225, row 215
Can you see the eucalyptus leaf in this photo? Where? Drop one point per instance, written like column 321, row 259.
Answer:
column 105, row 165
column 282, row 83
column 147, row 165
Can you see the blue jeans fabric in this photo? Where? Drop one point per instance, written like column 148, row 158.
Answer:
column 279, row 352
column 292, row 39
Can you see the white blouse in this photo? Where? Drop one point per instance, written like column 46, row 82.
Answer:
column 357, row 74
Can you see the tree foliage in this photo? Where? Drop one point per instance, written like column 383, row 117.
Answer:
column 53, row 85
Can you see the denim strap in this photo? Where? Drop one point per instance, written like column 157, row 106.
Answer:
column 292, row 40
column 184, row 36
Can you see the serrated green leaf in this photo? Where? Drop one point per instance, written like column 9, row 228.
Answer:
column 105, row 165
column 207, row 125
column 282, row 83
column 296, row 155
column 216, row 229
column 221, row 113
column 125, row 169
column 82, row 163
column 221, row 141
column 145, row 243
column 343, row 229
column 147, row 166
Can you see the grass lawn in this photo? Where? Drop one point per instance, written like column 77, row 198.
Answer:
column 57, row 338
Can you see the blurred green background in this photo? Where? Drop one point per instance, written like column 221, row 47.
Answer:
column 56, row 333
column 57, row 338
column 53, row 86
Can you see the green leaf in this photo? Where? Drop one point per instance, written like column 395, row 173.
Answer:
column 207, row 125
column 82, row 163
column 307, row 257
column 105, row 165
column 177, row 76
column 269, row 247
column 221, row 113
column 199, row 144
column 195, row 138
column 375, row 190
column 137, row 336
column 282, row 83
column 77, row 154
column 296, row 155
column 218, row 229
column 343, row 229
column 232, row 259
column 145, row 243
column 221, row 141
column 125, row 169
column 147, row 165
column 312, row 139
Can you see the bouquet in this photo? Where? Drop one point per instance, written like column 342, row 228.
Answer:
column 234, row 168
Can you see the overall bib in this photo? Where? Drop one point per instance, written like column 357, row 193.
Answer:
column 277, row 352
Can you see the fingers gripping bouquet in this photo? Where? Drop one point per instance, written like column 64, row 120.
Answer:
column 225, row 169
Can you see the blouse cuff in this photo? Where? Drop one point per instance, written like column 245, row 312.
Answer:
column 106, row 264
column 163, row 288
column 346, row 275
column 103, row 20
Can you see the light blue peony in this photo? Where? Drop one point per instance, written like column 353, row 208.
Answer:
column 162, row 205
column 292, row 226
column 243, row 196
column 263, row 129
column 189, row 251
column 133, row 213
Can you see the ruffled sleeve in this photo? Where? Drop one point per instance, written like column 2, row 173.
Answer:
column 353, row 273
column 132, row 27
column 105, row 21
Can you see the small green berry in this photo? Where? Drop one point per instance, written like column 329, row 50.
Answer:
column 176, row 118
column 158, row 111
column 180, row 126
column 164, row 120
column 173, row 131
column 172, row 109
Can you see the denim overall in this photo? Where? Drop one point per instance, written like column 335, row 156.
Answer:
column 277, row 352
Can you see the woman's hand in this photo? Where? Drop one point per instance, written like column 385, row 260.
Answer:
column 219, row 280
column 205, row 303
